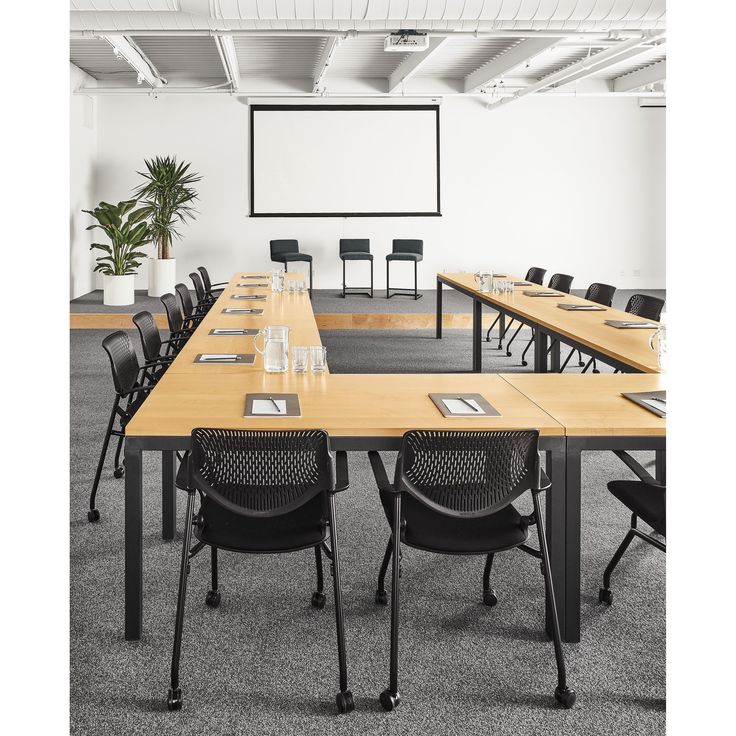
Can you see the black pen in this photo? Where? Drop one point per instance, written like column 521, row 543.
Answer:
column 467, row 403
column 278, row 408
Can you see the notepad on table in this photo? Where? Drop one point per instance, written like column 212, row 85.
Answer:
column 623, row 325
column 266, row 406
column 542, row 293
column 233, row 332
column 246, row 358
column 231, row 310
column 252, row 286
column 247, row 296
column 653, row 401
column 581, row 308
column 463, row 405
column 272, row 405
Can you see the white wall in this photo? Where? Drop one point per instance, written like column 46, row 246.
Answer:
column 83, row 161
column 571, row 184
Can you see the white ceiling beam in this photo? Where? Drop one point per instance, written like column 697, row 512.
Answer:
column 325, row 60
column 411, row 65
column 581, row 66
column 509, row 60
column 128, row 50
column 648, row 75
column 229, row 58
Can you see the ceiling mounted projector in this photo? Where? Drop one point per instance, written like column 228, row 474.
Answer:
column 405, row 41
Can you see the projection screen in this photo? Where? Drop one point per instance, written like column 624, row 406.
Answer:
column 344, row 160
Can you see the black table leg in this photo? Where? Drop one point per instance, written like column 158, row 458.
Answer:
column 501, row 329
column 555, row 356
column 133, row 540
column 438, row 318
column 540, row 351
column 570, row 597
column 168, row 494
column 477, row 335
column 660, row 465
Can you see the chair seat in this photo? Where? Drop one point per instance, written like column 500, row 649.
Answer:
column 290, row 257
column 641, row 499
column 461, row 536
column 356, row 256
column 404, row 257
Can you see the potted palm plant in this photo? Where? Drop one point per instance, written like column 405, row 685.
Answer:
column 128, row 232
column 167, row 195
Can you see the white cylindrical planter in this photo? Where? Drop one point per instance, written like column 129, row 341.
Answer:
column 161, row 276
column 118, row 290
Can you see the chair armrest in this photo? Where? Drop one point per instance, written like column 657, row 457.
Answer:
column 137, row 389
column 219, row 283
column 636, row 468
column 379, row 472
column 342, row 478
column 544, row 482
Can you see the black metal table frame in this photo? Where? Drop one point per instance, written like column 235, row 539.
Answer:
column 542, row 335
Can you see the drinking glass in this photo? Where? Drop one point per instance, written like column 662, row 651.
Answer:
column 319, row 358
column 292, row 286
column 299, row 359
column 300, row 286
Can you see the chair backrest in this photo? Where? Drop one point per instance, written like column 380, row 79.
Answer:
column 281, row 247
column 601, row 294
column 536, row 275
column 643, row 305
column 408, row 246
column 560, row 282
column 467, row 473
column 150, row 337
column 355, row 245
column 173, row 313
column 205, row 277
column 261, row 473
column 199, row 289
column 123, row 361
column 187, row 306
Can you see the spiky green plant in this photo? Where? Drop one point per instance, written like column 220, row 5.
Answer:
column 128, row 231
column 167, row 195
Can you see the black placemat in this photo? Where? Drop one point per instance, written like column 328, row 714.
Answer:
column 620, row 324
column 240, row 359
column 243, row 310
column 581, row 308
column 542, row 293
column 233, row 332
column 252, row 286
column 640, row 397
column 488, row 410
column 248, row 297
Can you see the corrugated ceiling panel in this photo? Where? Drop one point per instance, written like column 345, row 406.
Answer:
column 278, row 56
column 191, row 57
column 95, row 56
column 364, row 57
column 459, row 57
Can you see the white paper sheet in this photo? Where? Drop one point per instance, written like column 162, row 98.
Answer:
column 265, row 406
column 456, row 406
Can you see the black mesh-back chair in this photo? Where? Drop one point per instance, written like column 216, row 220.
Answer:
column 640, row 305
column 646, row 499
column 453, row 494
column 203, row 296
column 286, row 252
column 132, row 383
column 356, row 249
column 210, row 288
column 534, row 275
column 405, row 250
column 152, row 343
column 179, row 328
column 262, row 492
column 600, row 294
column 188, row 309
column 559, row 282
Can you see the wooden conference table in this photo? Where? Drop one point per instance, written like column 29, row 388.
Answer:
column 364, row 412
column 627, row 350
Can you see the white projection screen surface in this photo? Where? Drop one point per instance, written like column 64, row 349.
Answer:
column 344, row 160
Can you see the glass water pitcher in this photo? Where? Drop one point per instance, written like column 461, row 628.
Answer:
column 658, row 343
column 277, row 279
column 484, row 280
column 275, row 348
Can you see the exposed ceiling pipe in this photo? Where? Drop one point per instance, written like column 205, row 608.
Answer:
column 229, row 58
column 127, row 49
column 574, row 69
column 324, row 61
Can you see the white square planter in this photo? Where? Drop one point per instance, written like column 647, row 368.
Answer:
column 118, row 290
column 161, row 276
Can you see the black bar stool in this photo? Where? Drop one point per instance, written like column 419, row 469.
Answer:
column 405, row 250
column 286, row 252
column 356, row 249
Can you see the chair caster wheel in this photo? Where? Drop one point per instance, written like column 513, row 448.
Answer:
column 595, row 370
column 381, row 597
column 345, row 702
column 565, row 697
column 508, row 353
column 489, row 598
column 605, row 596
column 93, row 515
column 318, row 601
column 212, row 599
column 118, row 472
column 524, row 363
column 174, row 700
column 389, row 700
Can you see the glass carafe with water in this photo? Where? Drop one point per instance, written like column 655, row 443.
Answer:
column 484, row 280
column 277, row 279
column 275, row 348
column 658, row 343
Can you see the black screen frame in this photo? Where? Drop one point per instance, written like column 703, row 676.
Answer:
column 257, row 108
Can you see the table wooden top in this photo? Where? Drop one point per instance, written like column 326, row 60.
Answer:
column 291, row 309
column 588, row 328
column 591, row 404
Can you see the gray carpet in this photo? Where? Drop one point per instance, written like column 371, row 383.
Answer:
column 329, row 301
column 265, row 661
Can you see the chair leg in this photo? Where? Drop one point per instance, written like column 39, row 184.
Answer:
column 388, row 288
column 416, row 293
column 119, row 469
column 563, row 694
column 381, row 597
column 318, row 597
column 390, row 698
column 344, row 698
column 213, row 595
column 343, row 278
column 490, row 329
column 581, row 362
column 604, row 594
column 93, row 514
column 174, row 700
column 489, row 595
column 310, row 279
column 587, row 365
column 513, row 337
column 371, row 262
column 526, row 349
column 567, row 360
